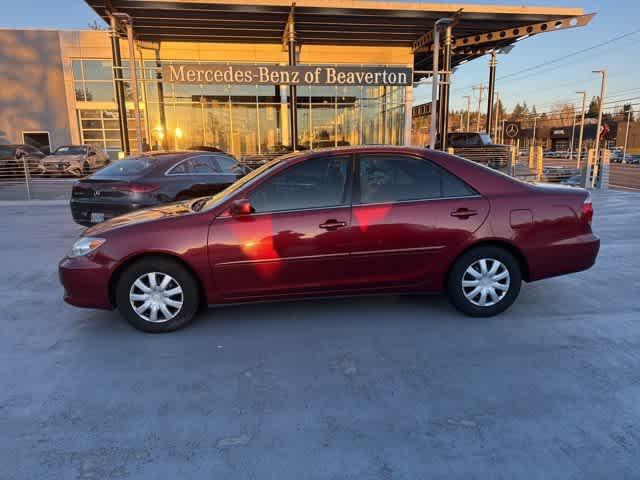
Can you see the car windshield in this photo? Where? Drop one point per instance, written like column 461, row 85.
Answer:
column 486, row 139
column 217, row 198
column 70, row 150
column 124, row 168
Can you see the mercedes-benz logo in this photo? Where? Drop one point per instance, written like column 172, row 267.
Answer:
column 512, row 130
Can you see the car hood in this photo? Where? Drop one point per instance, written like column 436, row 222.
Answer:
column 63, row 158
column 142, row 216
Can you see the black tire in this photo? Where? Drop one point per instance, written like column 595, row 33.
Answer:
column 182, row 277
column 457, row 274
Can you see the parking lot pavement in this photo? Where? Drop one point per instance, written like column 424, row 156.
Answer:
column 385, row 387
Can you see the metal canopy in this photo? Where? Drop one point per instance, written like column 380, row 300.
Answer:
column 328, row 22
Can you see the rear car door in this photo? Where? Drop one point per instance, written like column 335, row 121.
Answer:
column 408, row 213
column 298, row 238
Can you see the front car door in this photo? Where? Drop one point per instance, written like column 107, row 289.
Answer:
column 296, row 241
column 408, row 213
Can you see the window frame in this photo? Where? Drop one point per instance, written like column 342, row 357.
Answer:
column 356, row 192
column 347, row 195
column 169, row 173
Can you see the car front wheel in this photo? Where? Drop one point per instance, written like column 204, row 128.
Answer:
column 484, row 281
column 157, row 295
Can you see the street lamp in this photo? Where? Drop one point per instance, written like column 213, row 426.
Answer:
column 584, row 106
column 603, row 89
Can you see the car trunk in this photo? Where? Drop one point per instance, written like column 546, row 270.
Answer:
column 103, row 189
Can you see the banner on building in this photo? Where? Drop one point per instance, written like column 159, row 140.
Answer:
column 285, row 75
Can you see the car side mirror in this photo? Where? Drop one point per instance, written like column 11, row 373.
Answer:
column 242, row 207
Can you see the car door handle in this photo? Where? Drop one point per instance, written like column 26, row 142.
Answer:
column 332, row 225
column 463, row 213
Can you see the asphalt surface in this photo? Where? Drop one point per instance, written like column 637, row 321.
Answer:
column 371, row 388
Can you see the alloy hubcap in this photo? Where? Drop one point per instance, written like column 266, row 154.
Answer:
column 156, row 297
column 485, row 282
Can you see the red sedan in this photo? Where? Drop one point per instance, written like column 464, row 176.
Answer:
column 345, row 221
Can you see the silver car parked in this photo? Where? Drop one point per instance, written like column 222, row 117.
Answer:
column 76, row 160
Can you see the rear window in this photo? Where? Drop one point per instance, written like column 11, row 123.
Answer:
column 124, row 168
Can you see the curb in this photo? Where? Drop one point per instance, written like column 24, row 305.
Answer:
column 33, row 203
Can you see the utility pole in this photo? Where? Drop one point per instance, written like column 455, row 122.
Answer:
column 584, row 106
column 481, row 89
column 533, row 135
column 626, row 137
column 468, row 97
column 603, row 90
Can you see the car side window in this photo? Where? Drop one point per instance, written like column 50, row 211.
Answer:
column 202, row 164
column 386, row 178
column 227, row 164
column 315, row 183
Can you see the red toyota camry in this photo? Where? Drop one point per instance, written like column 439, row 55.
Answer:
column 342, row 221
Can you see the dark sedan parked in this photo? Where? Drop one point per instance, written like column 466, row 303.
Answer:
column 150, row 179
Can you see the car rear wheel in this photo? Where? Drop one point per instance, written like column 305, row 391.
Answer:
column 484, row 281
column 157, row 295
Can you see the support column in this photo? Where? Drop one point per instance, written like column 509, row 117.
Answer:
column 408, row 114
column 445, row 88
column 119, row 86
column 293, row 97
column 492, row 87
column 133, row 69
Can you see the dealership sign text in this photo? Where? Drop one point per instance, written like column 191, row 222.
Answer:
column 285, row 75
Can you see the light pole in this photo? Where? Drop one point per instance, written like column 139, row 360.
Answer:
column 533, row 134
column 495, row 130
column 573, row 134
column 584, row 106
column 626, row 137
column 481, row 89
column 435, row 81
column 603, row 90
column 468, row 97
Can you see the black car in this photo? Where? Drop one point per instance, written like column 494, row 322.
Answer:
column 479, row 147
column 14, row 157
column 150, row 179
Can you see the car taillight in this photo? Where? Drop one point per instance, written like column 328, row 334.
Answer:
column 136, row 187
column 587, row 210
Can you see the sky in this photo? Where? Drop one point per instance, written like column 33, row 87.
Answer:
column 542, row 86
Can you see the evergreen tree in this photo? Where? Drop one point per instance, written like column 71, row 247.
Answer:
column 593, row 108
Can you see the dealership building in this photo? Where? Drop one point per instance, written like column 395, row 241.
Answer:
column 247, row 77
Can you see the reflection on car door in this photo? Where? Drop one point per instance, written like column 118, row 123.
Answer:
column 298, row 239
column 407, row 213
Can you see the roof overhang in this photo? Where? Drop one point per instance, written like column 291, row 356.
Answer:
column 334, row 22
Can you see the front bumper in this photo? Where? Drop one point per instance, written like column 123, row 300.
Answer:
column 85, row 282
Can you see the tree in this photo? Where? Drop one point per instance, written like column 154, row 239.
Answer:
column 626, row 109
column 594, row 107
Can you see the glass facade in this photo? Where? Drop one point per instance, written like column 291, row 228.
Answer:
column 239, row 119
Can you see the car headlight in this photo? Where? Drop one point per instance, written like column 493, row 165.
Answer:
column 85, row 245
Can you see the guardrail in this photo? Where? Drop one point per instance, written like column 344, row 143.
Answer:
column 25, row 179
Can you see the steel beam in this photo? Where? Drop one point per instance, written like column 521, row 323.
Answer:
column 516, row 32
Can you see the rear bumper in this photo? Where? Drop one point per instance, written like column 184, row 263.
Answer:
column 86, row 283
column 567, row 256
column 81, row 210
